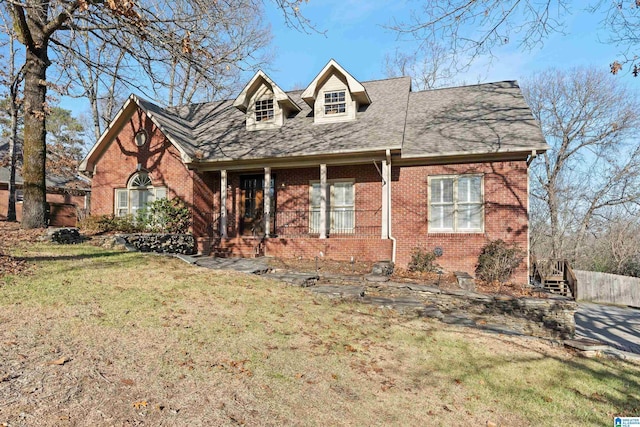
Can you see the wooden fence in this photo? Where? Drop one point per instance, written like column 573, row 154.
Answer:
column 608, row 288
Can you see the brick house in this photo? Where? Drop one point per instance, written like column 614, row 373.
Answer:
column 66, row 199
column 341, row 169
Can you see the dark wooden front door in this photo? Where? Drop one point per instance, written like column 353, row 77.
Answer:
column 252, row 200
column 252, row 187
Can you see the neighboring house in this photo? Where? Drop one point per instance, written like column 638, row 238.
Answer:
column 343, row 169
column 66, row 198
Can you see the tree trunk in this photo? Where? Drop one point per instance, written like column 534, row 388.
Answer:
column 552, row 204
column 13, row 138
column 13, row 155
column 34, row 148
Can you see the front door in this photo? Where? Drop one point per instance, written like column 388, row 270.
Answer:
column 252, row 199
column 252, row 205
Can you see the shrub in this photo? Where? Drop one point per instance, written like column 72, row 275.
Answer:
column 498, row 261
column 422, row 260
column 160, row 216
column 168, row 216
column 109, row 223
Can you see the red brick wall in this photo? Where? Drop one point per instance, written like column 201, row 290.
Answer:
column 162, row 160
column 505, row 191
column 333, row 248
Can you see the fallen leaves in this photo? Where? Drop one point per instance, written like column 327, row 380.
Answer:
column 11, row 266
column 59, row 362
column 234, row 366
column 140, row 404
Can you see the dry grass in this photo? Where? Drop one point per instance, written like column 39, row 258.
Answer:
column 95, row 337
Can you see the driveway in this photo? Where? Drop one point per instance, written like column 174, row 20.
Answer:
column 616, row 326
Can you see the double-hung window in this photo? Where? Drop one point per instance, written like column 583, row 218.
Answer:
column 335, row 102
column 456, row 203
column 341, row 206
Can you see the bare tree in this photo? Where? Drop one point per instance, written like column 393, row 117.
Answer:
column 590, row 120
column 159, row 32
column 98, row 72
column 473, row 28
column 430, row 67
column 12, row 79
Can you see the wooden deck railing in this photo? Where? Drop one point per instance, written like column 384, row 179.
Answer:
column 555, row 275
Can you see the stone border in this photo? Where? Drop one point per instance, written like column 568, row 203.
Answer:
column 158, row 242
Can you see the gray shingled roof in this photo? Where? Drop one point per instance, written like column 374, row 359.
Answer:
column 479, row 119
column 52, row 181
column 5, row 175
column 484, row 118
column 217, row 130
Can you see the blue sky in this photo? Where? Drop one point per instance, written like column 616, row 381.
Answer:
column 356, row 38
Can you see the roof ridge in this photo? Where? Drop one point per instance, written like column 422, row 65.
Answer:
column 469, row 85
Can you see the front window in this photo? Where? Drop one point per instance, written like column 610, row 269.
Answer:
column 139, row 193
column 456, row 203
column 335, row 102
column 264, row 110
column 341, row 205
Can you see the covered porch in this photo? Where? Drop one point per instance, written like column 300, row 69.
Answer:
column 337, row 211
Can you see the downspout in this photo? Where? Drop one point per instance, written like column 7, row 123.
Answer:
column 533, row 155
column 393, row 239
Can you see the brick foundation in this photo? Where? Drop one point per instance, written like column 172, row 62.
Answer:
column 334, row 249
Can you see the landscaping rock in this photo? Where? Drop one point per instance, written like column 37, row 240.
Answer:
column 382, row 268
column 465, row 281
column 159, row 243
column 376, row 278
column 433, row 312
column 64, row 236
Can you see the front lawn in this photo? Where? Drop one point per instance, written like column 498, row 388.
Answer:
column 96, row 337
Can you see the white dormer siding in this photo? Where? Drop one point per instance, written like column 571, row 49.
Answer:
column 264, row 104
column 263, row 111
column 335, row 95
column 334, row 102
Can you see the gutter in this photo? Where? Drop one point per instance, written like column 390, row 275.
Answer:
column 393, row 239
column 532, row 156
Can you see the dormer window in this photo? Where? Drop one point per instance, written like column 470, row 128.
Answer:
column 264, row 110
column 335, row 95
column 335, row 102
column 264, row 104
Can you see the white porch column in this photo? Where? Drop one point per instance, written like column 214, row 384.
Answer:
column 267, row 201
column 223, row 203
column 386, row 182
column 323, row 201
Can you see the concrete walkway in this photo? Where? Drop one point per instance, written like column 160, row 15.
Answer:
column 618, row 327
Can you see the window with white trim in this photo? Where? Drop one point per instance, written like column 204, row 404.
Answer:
column 139, row 193
column 341, row 205
column 335, row 102
column 264, row 110
column 456, row 203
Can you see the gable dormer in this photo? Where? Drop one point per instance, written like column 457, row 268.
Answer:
column 335, row 95
column 265, row 105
